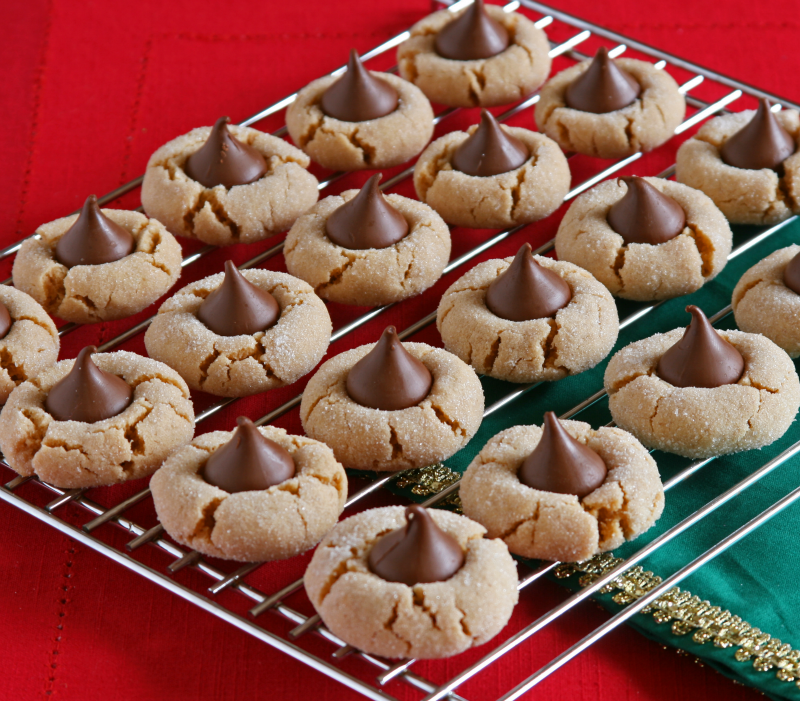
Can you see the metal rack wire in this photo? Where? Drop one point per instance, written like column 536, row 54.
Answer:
column 261, row 625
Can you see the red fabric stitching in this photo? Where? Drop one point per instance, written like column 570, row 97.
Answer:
column 52, row 667
column 37, row 102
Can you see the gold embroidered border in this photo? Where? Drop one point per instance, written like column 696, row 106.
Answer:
column 689, row 614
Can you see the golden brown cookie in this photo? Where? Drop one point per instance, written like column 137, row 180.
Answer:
column 579, row 337
column 251, row 526
column 85, row 294
column 762, row 303
column 562, row 527
column 236, row 366
column 646, row 123
column 699, row 422
column 31, row 343
column 376, row 143
column 127, row 446
column 387, row 441
column 498, row 80
column 528, row 193
column 392, row 619
column 241, row 214
column 373, row 276
column 744, row 196
column 641, row 271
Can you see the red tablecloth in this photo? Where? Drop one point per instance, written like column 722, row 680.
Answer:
column 89, row 90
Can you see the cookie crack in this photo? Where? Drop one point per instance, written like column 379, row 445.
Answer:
column 420, row 602
column 15, row 372
column 206, row 364
column 205, row 526
column 463, row 622
column 491, row 357
column 516, row 191
column 549, row 349
column 311, row 132
column 132, row 435
column 511, row 530
column 455, row 427
column 209, row 197
column 629, row 135
column 397, row 447
column 367, row 150
column 744, row 290
column 617, row 386
column 157, row 377
column 704, row 247
column 390, row 623
column 39, row 323
column 337, row 273
column 619, row 263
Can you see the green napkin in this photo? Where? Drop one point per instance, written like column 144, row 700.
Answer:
column 756, row 580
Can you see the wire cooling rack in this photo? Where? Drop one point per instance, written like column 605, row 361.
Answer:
column 269, row 611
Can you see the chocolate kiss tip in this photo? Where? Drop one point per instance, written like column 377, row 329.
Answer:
column 791, row 275
column 645, row 215
column 367, row 220
column 701, row 358
column 237, row 306
column 561, row 464
column 249, row 461
column 5, row 320
column 224, row 160
column 416, row 553
column 489, row 150
column 761, row 143
column 389, row 377
column 87, row 393
column 358, row 96
column 93, row 239
column 602, row 87
column 472, row 35
column 526, row 290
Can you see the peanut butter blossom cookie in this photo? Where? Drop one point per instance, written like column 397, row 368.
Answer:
column 748, row 163
column 563, row 492
column 699, row 392
column 28, row 340
column 766, row 299
column 226, row 184
column 412, row 582
column 492, row 176
column 610, row 109
column 98, row 265
column 391, row 406
column 362, row 247
column 100, row 419
column 253, row 494
column 238, row 333
column 645, row 239
column 361, row 119
column 528, row 318
column 482, row 56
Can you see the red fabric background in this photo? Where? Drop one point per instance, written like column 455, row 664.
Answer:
column 90, row 89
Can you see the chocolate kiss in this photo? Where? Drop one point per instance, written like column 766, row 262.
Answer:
column 526, row 290
column 791, row 275
column 561, row 464
column 5, row 320
column 88, row 393
column 602, row 87
column 416, row 553
column 489, row 150
column 366, row 221
column 224, row 160
column 358, row 95
column 237, row 306
column 702, row 358
column 93, row 239
column 389, row 377
column 645, row 215
column 248, row 461
column 761, row 143
column 472, row 35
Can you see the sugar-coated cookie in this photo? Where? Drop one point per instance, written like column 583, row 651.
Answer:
column 251, row 525
column 507, row 76
column 223, row 215
column 394, row 619
column 557, row 526
column 28, row 340
column 128, row 445
column 645, row 272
